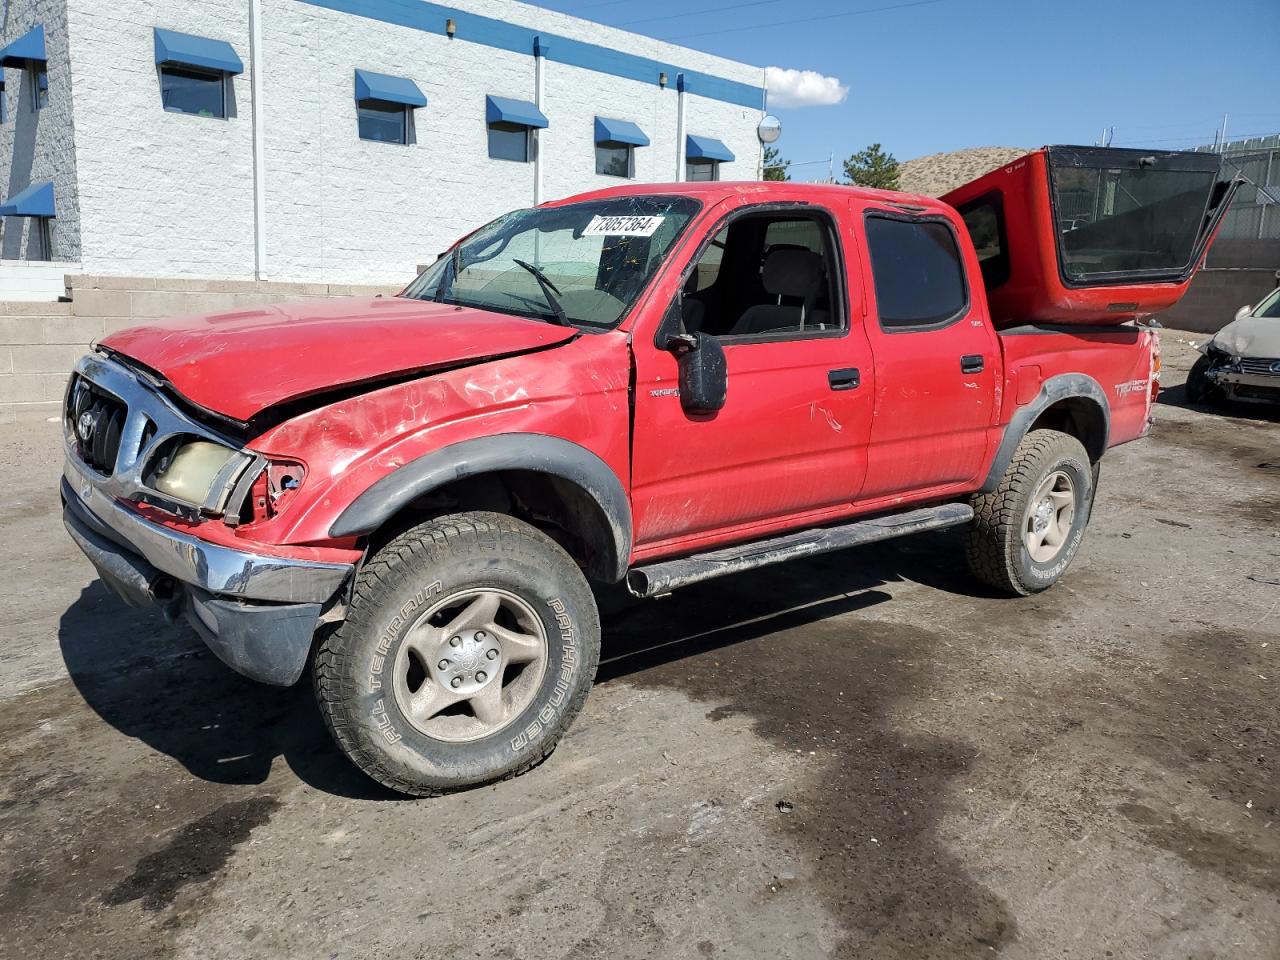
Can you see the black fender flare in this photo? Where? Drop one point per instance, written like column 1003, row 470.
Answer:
column 1061, row 387
column 537, row 452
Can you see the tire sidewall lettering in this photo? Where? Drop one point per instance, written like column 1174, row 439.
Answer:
column 1044, row 575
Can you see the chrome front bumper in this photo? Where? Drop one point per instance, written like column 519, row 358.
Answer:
column 256, row 612
column 211, row 567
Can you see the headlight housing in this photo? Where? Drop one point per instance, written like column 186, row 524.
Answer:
column 192, row 473
column 188, row 474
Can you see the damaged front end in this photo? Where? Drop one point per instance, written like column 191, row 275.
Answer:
column 1246, row 379
column 143, row 482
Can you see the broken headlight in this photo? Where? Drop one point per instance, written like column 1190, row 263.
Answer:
column 189, row 471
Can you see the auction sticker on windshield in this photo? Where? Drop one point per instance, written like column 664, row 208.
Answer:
column 623, row 226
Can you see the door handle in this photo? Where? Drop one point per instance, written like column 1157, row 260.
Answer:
column 845, row 379
column 972, row 363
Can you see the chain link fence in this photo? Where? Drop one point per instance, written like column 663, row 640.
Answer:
column 1255, row 211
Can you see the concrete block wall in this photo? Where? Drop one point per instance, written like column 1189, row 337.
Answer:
column 1239, row 272
column 40, row 342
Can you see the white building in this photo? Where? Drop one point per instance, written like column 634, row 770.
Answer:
column 332, row 140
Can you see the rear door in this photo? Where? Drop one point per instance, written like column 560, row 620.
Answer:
column 937, row 356
column 791, row 440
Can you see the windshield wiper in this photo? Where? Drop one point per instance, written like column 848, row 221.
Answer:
column 549, row 290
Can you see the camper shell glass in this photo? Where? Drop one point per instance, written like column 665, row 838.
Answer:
column 1131, row 215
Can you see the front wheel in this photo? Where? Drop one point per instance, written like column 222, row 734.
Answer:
column 469, row 647
column 1200, row 389
column 1025, row 532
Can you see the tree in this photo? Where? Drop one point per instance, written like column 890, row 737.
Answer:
column 775, row 168
column 872, row 167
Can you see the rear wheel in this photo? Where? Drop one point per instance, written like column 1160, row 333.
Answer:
column 469, row 647
column 1026, row 531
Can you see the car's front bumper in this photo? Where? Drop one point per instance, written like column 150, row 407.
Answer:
column 257, row 612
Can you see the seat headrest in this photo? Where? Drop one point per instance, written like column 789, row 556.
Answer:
column 791, row 273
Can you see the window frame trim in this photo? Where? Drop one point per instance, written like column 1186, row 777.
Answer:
column 631, row 159
column 673, row 317
column 994, row 199
column 901, row 216
column 35, row 68
column 220, row 75
column 406, row 123
column 528, row 142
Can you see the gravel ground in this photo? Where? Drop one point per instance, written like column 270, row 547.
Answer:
column 862, row 755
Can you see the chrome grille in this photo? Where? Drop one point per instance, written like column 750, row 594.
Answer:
column 95, row 424
column 1260, row 366
column 130, row 423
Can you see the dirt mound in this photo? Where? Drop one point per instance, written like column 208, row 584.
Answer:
column 938, row 173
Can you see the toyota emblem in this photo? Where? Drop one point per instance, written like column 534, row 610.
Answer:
column 85, row 425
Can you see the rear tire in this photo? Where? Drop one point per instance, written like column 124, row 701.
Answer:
column 1200, row 389
column 469, row 647
column 1025, row 532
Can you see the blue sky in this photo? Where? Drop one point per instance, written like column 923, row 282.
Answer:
column 944, row 74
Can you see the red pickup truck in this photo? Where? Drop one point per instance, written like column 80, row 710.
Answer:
column 649, row 384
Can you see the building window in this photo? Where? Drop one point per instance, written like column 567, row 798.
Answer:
column 191, row 90
column 39, row 86
column 702, row 170
column 40, row 239
column 385, row 105
column 615, row 161
column 616, row 142
column 510, row 124
column 383, row 121
column 509, row 141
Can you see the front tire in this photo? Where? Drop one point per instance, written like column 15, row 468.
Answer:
column 469, row 647
column 1200, row 389
column 1026, row 532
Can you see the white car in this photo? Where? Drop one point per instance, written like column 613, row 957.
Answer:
column 1242, row 360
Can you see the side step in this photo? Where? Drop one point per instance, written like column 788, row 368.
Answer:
column 655, row 579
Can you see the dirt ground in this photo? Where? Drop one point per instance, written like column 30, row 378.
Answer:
column 865, row 755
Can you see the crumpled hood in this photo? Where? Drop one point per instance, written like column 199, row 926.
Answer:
column 1249, row 337
column 240, row 363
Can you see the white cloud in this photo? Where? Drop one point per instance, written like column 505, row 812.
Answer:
column 803, row 88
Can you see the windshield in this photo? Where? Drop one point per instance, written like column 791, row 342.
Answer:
column 583, row 264
column 1129, row 221
column 1269, row 306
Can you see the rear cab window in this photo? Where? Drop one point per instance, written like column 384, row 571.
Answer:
column 917, row 270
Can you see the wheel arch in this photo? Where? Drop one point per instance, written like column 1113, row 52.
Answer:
column 534, row 475
column 1073, row 403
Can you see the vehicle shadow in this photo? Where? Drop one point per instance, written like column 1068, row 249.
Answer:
column 1176, row 396
column 157, row 682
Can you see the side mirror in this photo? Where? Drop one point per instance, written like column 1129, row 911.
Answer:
column 704, row 373
column 1244, row 312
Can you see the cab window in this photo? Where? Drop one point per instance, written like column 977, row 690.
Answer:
column 766, row 276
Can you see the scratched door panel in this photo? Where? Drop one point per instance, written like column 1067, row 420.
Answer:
column 784, row 443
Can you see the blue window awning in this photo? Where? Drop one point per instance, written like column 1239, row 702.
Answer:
column 35, row 201
column 522, row 113
column 705, row 148
column 620, row 132
column 191, row 51
column 379, row 86
column 29, row 46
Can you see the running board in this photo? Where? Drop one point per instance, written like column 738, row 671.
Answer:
column 655, row 579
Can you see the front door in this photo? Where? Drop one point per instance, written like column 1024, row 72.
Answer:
column 770, row 283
